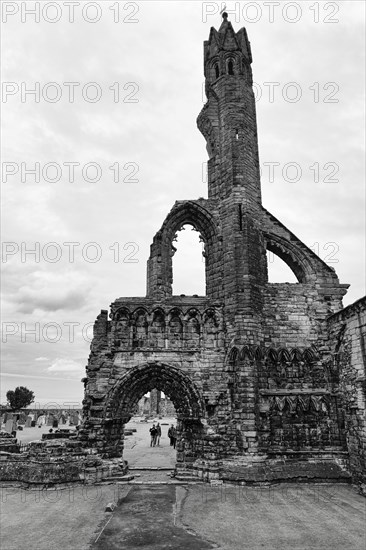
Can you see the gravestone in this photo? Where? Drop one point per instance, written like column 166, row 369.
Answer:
column 9, row 425
column 74, row 419
column 22, row 418
column 41, row 420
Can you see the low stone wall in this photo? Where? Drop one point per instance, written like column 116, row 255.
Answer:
column 276, row 469
column 9, row 445
column 20, row 468
column 33, row 472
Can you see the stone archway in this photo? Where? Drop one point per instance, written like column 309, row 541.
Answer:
column 160, row 265
column 128, row 390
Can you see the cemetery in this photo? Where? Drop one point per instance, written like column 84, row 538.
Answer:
column 54, row 456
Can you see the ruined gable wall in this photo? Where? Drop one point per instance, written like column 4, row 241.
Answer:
column 186, row 333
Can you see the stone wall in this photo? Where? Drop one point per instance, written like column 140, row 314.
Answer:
column 347, row 332
column 176, row 347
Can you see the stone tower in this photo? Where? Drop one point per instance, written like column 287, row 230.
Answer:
column 249, row 366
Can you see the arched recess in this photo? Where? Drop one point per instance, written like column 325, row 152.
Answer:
column 214, row 69
column 158, row 329
column 232, row 61
column 139, row 328
column 160, row 271
column 175, row 328
column 192, row 322
column 122, row 323
column 128, row 390
column 230, row 66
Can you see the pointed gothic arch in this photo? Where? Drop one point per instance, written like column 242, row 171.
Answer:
column 230, row 64
column 160, row 265
column 123, row 397
column 191, row 213
column 122, row 324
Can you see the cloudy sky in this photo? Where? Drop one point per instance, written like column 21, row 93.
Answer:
column 134, row 87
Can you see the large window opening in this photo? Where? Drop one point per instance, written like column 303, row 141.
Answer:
column 189, row 276
column 278, row 270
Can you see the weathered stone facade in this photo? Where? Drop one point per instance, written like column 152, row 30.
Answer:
column 347, row 330
column 247, row 366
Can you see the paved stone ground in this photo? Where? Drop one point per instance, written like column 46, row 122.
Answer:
column 195, row 516
column 65, row 519
column 288, row 517
column 301, row 517
column 138, row 452
column 147, row 519
column 285, row 517
column 296, row 517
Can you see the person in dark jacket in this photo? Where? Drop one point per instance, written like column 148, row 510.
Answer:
column 158, row 434
column 153, row 433
column 170, row 434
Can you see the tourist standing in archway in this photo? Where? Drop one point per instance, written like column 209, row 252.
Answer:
column 153, row 433
column 170, row 434
column 158, row 434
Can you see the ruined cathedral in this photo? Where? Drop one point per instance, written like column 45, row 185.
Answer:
column 267, row 380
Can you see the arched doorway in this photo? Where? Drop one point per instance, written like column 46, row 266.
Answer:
column 123, row 397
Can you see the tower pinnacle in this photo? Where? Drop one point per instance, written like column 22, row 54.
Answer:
column 225, row 23
column 228, row 120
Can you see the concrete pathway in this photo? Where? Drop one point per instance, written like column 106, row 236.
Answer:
column 288, row 517
column 147, row 519
column 285, row 517
column 54, row 519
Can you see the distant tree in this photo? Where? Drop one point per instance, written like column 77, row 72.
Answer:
column 20, row 398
